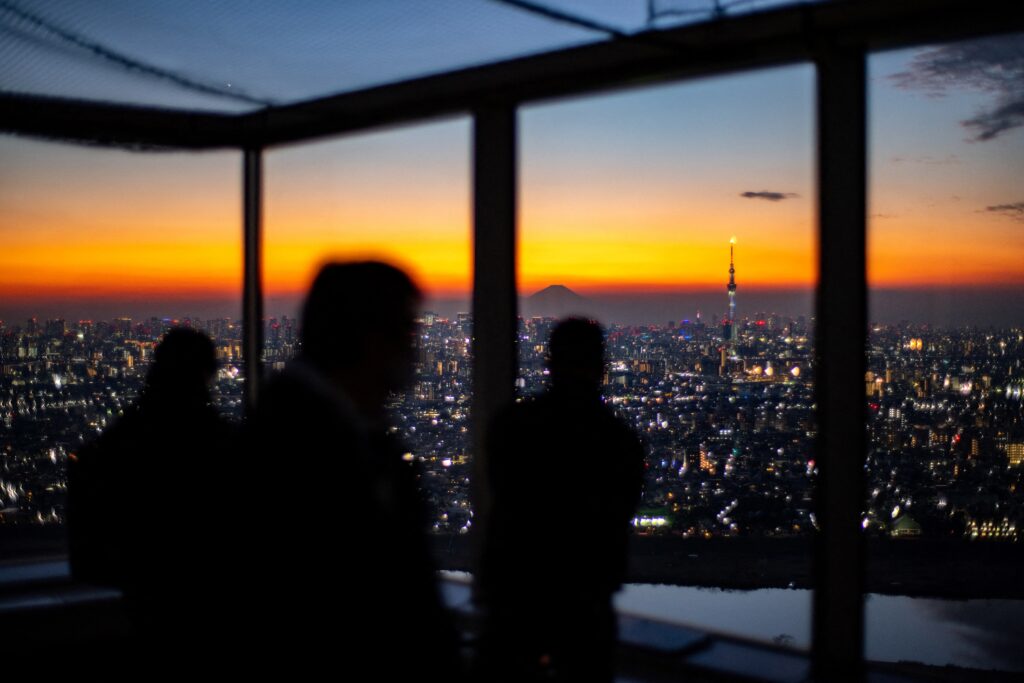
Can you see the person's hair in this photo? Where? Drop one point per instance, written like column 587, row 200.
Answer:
column 576, row 343
column 183, row 363
column 348, row 302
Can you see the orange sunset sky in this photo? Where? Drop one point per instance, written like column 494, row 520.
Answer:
column 636, row 191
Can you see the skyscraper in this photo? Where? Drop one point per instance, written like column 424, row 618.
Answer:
column 731, row 333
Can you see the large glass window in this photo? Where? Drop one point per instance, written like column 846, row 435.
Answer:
column 400, row 196
column 944, row 509
column 638, row 209
column 103, row 251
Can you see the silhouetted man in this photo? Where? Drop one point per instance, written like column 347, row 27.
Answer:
column 146, row 501
column 347, row 577
column 565, row 477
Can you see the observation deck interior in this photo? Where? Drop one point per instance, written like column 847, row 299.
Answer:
column 40, row 607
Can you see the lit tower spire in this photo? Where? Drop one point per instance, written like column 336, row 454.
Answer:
column 732, row 291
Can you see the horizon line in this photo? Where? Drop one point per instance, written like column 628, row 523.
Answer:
column 639, row 289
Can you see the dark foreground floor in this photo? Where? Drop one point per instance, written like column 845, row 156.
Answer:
column 44, row 617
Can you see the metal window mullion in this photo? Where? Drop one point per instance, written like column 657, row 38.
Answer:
column 841, row 327
column 494, row 280
column 252, row 287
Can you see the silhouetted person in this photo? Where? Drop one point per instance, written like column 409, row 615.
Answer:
column 146, row 501
column 348, row 579
column 565, row 477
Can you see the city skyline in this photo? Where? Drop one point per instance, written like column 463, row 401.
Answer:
column 943, row 412
column 949, row 307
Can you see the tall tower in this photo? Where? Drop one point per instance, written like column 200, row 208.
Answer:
column 732, row 292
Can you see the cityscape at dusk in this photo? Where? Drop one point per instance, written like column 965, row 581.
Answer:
column 727, row 417
column 675, row 203
column 724, row 404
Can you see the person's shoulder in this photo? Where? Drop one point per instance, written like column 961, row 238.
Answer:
column 286, row 382
column 607, row 414
column 122, row 431
column 526, row 409
column 300, row 403
column 296, row 388
column 618, row 428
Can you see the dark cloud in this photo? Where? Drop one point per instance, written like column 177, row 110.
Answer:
column 992, row 65
column 1015, row 210
column 928, row 160
column 769, row 196
column 989, row 124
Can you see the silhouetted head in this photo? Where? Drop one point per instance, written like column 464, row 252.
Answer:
column 184, row 363
column 357, row 325
column 576, row 354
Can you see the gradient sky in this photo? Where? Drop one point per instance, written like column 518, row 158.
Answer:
column 284, row 52
column 628, row 193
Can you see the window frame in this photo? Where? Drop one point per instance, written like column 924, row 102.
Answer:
column 835, row 36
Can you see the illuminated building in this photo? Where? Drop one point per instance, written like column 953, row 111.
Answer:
column 730, row 324
column 1015, row 453
column 906, row 527
column 707, row 463
column 1003, row 529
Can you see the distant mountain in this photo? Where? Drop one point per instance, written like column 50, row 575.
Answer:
column 556, row 301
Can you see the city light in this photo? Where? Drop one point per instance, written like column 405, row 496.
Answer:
column 715, row 432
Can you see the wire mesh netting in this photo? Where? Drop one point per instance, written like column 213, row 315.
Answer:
column 241, row 55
